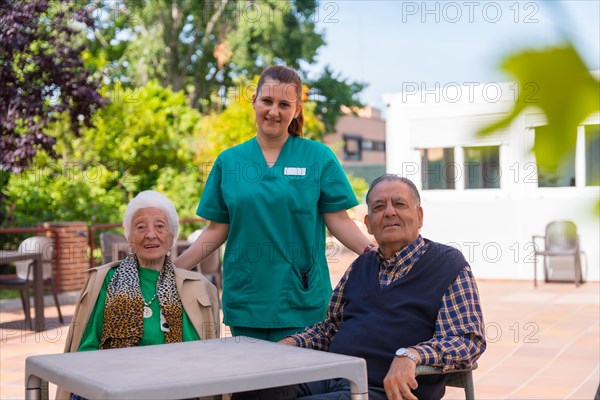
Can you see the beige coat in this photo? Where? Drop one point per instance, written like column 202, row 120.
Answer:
column 198, row 295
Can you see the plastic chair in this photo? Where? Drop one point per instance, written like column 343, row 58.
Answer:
column 114, row 246
column 12, row 282
column 461, row 378
column 24, row 279
column 561, row 253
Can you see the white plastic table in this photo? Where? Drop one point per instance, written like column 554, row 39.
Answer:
column 190, row 369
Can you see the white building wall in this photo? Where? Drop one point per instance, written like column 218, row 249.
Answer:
column 492, row 227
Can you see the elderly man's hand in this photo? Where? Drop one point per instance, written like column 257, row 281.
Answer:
column 400, row 379
column 288, row 340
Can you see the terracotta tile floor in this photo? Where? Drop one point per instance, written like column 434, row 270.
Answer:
column 543, row 343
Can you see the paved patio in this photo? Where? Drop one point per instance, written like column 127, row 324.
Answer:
column 543, row 343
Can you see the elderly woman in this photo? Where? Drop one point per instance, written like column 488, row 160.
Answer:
column 142, row 300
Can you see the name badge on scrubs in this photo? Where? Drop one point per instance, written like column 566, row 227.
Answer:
column 294, row 171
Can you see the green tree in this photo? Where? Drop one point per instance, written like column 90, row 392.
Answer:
column 330, row 92
column 202, row 44
column 142, row 141
column 54, row 190
column 43, row 76
column 203, row 47
column 146, row 130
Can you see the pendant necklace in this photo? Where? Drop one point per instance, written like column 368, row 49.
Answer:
column 147, row 309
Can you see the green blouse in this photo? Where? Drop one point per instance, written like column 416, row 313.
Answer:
column 152, row 333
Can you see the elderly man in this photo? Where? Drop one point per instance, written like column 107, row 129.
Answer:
column 413, row 302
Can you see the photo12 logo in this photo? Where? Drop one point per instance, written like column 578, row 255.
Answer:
column 249, row 11
column 453, row 12
column 471, row 92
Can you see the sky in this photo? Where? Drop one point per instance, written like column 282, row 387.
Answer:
column 392, row 44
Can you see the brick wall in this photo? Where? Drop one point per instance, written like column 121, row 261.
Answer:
column 73, row 254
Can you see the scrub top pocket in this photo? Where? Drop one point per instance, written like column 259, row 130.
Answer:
column 306, row 289
column 303, row 195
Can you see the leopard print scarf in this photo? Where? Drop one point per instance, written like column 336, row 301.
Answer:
column 123, row 312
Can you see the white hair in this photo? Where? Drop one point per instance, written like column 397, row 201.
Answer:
column 147, row 199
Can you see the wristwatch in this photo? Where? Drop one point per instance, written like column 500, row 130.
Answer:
column 403, row 352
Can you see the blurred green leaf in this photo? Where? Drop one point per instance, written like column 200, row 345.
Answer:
column 555, row 80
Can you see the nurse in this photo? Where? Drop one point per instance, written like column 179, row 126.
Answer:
column 270, row 198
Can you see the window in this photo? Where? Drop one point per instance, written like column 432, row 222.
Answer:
column 378, row 146
column 438, row 168
column 352, row 148
column 561, row 176
column 482, row 167
column 592, row 155
column 373, row 145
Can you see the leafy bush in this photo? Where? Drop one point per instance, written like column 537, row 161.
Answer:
column 140, row 142
column 359, row 186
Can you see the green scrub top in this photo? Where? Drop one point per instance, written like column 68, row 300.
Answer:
column 152, row 333
column 275, row 271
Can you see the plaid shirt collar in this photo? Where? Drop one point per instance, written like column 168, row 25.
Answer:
column 404, row 258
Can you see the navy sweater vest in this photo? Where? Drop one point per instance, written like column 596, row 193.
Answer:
column 377, row 321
